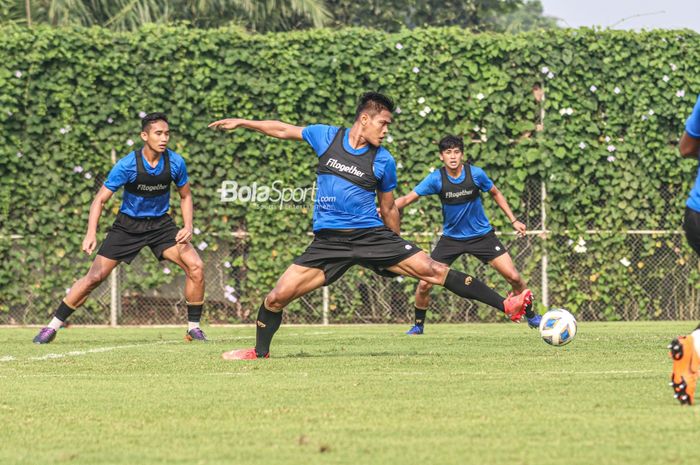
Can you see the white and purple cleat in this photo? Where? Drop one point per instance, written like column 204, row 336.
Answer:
column 45, row 336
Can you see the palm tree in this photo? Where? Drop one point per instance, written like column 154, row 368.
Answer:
column 257, row 15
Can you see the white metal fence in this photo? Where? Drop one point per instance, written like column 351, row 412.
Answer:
column 600, row 275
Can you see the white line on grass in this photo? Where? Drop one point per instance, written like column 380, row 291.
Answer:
column 97, row 350
column 76, row 353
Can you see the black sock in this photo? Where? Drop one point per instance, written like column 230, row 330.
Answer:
column 63, row 311
column 420, row 316
column 194, row 312
column 471, row 288
column 529, row 312
column 267, row 325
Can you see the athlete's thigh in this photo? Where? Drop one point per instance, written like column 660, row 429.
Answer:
column 298, row 280
column 102, row 266
column 504, row 265
column 421, row 266
column 183, row 255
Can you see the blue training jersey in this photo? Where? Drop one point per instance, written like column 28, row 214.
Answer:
column 465, row 221
column 340, row 204
column 124, row 172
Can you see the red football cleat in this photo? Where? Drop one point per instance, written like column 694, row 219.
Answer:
column 515, row 305
column 242, row 354
column 685, row 369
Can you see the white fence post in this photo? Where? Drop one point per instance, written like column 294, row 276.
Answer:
column 545, row 278
column 326, row 304
column 115, row 303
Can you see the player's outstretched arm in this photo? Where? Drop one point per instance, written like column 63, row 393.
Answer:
column 406, row 200
column 388, row 211
column 186, row 206
column 270, row 128
column 90, row 241
column 501, row 201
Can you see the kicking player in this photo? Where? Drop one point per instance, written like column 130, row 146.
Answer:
column 466, row 229
column 353, row 172
column 685, row 350
column 146, row 175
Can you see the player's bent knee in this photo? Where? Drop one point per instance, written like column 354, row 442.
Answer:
column 95, row 278
column 436, row 273
column 195, row 271
column 277, row 299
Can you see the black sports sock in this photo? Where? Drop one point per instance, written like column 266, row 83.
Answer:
column 267, row 324
column 420, row 316
column 63, row 311
column 529, row 312
column 471, row 288
column 194, row 312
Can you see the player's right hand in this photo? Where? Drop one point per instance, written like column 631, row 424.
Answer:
column 89, row 243
column 228, row 123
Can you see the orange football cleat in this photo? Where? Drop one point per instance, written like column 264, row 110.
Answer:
column 685, row 369
column 515, row 305
column 242, row 354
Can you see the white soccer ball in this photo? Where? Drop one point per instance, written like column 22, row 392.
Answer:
column 558, row 327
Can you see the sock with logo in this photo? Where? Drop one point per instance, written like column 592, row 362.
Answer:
column 266, row 325
column 471, row 288
column 420, row 316
column 194, row 314
column 61, row 315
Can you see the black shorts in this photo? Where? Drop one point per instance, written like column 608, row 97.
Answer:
column 128, row 235
column 485, row 248
column 335, row 251
column 691, row 226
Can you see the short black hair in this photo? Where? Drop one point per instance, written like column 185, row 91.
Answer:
column 151, row 118
column 451, row 142
column 373, row 103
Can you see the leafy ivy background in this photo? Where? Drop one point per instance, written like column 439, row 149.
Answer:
column 615, row 103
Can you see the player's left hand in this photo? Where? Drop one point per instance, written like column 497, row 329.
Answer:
column 520, row 228
column 183, row 236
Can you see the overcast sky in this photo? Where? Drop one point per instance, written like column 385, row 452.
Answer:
column 669, row 14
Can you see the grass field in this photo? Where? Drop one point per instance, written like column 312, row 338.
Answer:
column 460, row 394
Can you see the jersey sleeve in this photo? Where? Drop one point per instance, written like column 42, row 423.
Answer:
column 387, row 177
column 482, row 181
column 178, row 170
column 118, row 175
column 319, row 137
column 430, row 185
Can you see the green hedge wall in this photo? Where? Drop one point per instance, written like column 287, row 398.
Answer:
column 68, row 97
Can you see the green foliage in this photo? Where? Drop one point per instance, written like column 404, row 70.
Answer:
column 284, row 15
column 392, row 15
column 69, row 97
column 124, row 15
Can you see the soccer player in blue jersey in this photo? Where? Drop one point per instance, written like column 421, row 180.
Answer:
column 146, row 175
column 466, row 229
column 685, row 350
column 354, row 172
